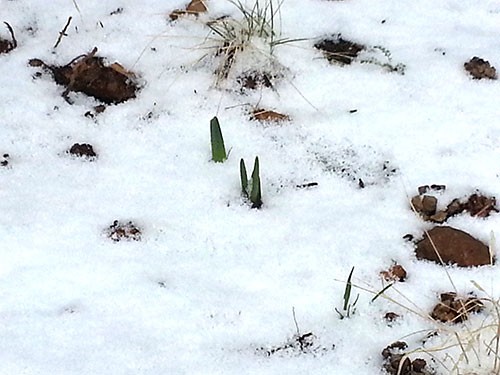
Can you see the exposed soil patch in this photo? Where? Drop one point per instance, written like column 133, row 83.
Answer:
column 8, row 45
column 454, row 247
column 362, row 165
column 90, row 75
column 298, row 344
column 268, row 116
column 254, row 80
column 195, row 7
column 397, row 362
column 339, row 50
column 455, row 309
column 479, row 68
column 477, row 205
column 124, row 231
column 83, row 150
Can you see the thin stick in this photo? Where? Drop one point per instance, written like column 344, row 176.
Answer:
column 11, row 31
column 63, row 32
column 77, row 9
column 295, row 321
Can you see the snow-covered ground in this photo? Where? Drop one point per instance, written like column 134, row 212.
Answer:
column 213, row 281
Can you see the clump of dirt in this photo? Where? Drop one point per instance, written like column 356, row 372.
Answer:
column 4, row 161
column 455, row 309
column 264, row 115
column 83, row 150
column 339, row 50
column 90, row 75
column 8, row 45
column 395, row 273
column 397, row 362
column 298, row 344
column 479, row 68
column 391, row 317
column 254, row 80
column 195, row 7
column 95, row 111
column 477, row 205
column 446, row 245
column 123, row 231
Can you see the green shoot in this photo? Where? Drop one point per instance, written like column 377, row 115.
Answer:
column 243, row 178
column 251, row 189
column 349, row 307
column 218, row 150
column 255, row 193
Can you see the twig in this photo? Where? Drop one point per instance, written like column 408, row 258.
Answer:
column 295, row 321
column 11, row 31
column 63, row 32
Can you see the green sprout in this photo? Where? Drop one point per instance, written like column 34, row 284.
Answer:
column 251, row 189
column 218, row 150
column 349, row 307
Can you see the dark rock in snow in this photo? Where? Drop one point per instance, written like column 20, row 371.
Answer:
column 454, row 247
column 83, row 150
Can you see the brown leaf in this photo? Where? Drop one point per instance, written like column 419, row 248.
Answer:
column 264, row 115
column 196, row 6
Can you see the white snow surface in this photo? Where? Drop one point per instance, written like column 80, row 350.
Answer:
column 213, row 284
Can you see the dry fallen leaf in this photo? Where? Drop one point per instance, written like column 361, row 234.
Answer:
column 264, row 115
column 196, row 6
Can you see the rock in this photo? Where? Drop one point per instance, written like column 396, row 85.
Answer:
column 438, row 187
column 83, row 150
column 416, row 203
column 455, row 207
column 479, row 68
column 429, row 204
column 419, row 365
column 454, row 246
column 477, row 205
column 423, row 189
column 426, row 188
column 439, row 217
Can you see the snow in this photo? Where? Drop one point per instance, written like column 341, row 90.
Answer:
column 212, row 280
